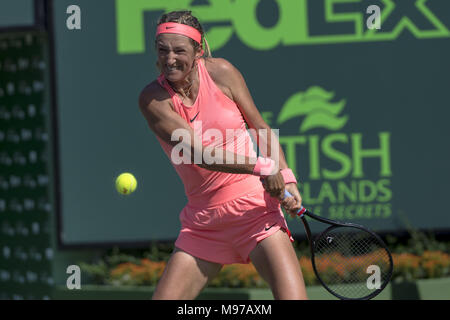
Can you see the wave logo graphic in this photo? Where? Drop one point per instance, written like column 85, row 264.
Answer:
column 317, row 108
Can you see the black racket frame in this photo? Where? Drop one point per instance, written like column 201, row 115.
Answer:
column 335, row 224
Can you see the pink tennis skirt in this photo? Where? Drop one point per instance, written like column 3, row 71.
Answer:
column 227, row 232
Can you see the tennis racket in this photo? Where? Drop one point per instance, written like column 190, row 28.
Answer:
column 350, row 261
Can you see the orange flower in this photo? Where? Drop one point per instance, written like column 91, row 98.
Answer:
column 332, row 267
column 147, row 273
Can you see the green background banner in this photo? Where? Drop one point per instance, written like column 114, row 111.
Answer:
column 17, row 13
column 362, row 113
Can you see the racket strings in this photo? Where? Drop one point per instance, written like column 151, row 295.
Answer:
column 351, row 262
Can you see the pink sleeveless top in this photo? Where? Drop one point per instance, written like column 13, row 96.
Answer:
column 211, row 113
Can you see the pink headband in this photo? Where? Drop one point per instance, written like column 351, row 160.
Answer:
column 178, row 28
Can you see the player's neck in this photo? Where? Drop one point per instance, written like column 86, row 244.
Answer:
column 187, row 87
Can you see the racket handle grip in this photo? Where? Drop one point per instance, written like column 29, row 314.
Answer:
column 302, row 210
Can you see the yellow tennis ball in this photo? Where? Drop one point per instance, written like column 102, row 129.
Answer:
column 126, row 183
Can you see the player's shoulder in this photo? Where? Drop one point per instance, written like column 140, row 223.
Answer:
column 221, row 70
column 153, row 94
column 153, row 90
column 218, row 64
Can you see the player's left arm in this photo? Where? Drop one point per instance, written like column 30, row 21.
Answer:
column 231, row 79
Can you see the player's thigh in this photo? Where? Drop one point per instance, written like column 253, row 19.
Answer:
column 275, row 260
column 184, row 277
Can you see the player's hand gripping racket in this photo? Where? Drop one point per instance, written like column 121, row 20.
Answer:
column 349, row 260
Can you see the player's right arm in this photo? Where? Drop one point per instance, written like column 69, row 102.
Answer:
column 155, row 105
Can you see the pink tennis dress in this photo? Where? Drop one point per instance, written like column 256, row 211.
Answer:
column 226, row 214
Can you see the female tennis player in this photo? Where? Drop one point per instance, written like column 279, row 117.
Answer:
column 231, row 215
